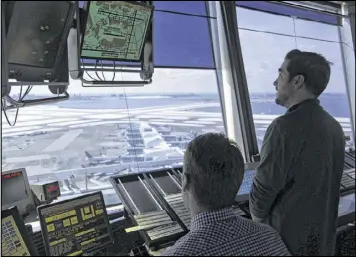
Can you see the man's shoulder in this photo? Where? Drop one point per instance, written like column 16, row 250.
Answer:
column 313, row 120
column 251, row 227
column 262, row 237
column 278, row 126
column 333, row 123
column 242, row 236
column 187, row 245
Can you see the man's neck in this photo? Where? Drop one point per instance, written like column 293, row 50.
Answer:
column 298, row 100
column 196, row 211
column 199, row 210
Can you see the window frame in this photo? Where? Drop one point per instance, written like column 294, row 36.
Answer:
column 317, row 9
column 231, row 74
column 349, row 72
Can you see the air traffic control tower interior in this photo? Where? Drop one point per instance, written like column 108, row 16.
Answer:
column 101, row 98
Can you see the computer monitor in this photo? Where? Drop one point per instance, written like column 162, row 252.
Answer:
column 36, row 34
column 77, row 226
column 15, row 240
column 16, row 191
column 245, row 188
column 115, row 30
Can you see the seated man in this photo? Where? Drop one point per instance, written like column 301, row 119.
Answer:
column 212, row 175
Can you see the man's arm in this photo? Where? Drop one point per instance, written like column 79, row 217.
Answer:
column 270, row 177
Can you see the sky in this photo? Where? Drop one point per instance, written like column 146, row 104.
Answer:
column 263, row 53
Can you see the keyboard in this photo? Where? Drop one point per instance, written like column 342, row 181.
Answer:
column 347, row 180
column 157, row 224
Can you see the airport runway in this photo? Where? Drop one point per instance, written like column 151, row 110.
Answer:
column 45, row 132
column 50, row 141
column 38, row 119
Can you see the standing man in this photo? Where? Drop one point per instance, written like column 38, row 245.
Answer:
column 296, row 187
column 212, row 175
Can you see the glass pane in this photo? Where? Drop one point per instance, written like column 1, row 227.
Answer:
column 348, row 35
column 289, row 11
column 261, row 66
column 316, row 30
column 334, row 99
column 99, row 132
column 262, row 21
column 263, row 54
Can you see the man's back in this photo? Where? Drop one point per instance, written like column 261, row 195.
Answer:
column 223, row 233
column 305, row 212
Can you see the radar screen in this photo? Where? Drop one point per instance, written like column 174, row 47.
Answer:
column 15, row 240
column 73, row 227
column 116, row 30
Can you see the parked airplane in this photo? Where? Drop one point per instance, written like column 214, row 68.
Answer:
column 93, row 161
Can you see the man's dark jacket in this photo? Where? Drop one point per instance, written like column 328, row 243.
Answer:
column 296, row 189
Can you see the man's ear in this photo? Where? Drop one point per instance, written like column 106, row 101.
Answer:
column 186, row 181
column 298, row 81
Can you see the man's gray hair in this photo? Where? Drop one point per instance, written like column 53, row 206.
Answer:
column 215, row 166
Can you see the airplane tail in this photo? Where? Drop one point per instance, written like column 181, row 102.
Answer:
column 88, row 155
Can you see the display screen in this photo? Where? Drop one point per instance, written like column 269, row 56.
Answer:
column 52, row 191
column 246, row 182
column 75, row 227
column 37, row 32
column 116, row 30
column 12, row 243
column 13, row 188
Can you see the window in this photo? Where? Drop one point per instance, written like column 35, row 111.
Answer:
column 265, row 40
column 99, row 132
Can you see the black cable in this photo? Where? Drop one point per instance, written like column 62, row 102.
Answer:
column 88, row 72
column 28, row 90
column 17, row 111
column 96, row 72
column 128, row 113
column 102, row 72
column 114, row 71
column 7, row 118
column 186, row 14
column 346, row 44
column 287, row 35
column 90, row 76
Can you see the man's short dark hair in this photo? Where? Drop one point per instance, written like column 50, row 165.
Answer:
column 215, row 167
column 314, row 67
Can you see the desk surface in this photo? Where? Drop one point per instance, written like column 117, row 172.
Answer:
column 346, row 206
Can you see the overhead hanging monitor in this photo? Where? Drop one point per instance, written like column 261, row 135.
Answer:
column 36, row 33
column 15, row 240
column 116, row 30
